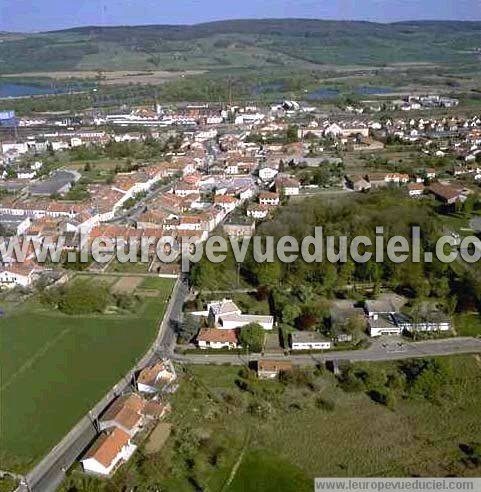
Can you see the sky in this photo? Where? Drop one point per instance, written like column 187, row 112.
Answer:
column 41, row 15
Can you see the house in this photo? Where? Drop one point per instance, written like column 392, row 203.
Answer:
column 377, row 180
column 269, row 199
column 125, row 413
column 383, row 324
column 228, row 203
column 240, row 228
column 226, row 315
column 397, row 323
column 309, row 340
column 358, row 183
column 217, row 339
column 257, row 212
column 431, row 173
column 108, row 452
column 427, row 322
column 287, row 186
column 268, row 173
column 447, row 193
column 154, row 378
column 415, row 189
column 21, row 274
column 270, row 369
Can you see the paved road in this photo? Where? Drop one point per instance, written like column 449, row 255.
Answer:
column 49, row 473
column 388, row 350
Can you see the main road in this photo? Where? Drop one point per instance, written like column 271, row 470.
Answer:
column 381, row 350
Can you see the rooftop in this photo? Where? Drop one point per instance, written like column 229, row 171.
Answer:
column 108, row 446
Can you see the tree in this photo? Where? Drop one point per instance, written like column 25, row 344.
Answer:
column 307, row 321
column 189, row 328
column 292, row 134
column 252, row 337
column 269, row 273
column 290, row 312
column 84, row 297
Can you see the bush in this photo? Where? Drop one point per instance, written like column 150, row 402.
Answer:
column 126, row 302
column 325, row 404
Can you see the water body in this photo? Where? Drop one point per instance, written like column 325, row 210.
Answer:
column 23, row 90
column 323, row 93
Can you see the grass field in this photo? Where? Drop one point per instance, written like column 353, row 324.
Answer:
column 117, row 267
column 275, row 437
column 155, row 283
column 56, row 367
column 468, row 325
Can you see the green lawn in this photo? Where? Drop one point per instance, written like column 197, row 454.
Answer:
column 163, row 285
column 56, row 367
column 468, row 325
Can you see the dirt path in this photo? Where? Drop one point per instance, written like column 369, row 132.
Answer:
column 238, row 463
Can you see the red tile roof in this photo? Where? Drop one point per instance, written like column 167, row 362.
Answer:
column 108, row 446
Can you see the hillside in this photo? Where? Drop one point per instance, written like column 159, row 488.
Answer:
column 242, row 44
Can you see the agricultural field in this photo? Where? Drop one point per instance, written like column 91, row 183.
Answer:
column 118, row 77
column 233, row 433
column 45, row 376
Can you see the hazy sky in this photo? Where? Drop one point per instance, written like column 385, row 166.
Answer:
column 36, row 15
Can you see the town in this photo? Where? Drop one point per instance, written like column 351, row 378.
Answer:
column 242, row 374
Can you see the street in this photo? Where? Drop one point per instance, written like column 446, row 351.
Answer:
column 378, row 352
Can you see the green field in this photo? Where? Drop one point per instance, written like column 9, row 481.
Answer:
column 117, row 267
column 56, row 367
column 156, row 283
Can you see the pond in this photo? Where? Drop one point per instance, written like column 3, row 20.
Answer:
column 367, row 90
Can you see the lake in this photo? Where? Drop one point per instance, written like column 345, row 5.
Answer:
column 22, row 90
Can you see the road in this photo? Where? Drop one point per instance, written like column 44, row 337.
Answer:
column 380, row 351
column 49, row 473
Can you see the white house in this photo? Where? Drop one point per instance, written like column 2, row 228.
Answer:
column 26, row 174
column 226, row 315
column 415, row 189
column 270, row 199
column 108, row 452
column 18, row 274
column 303, row 340
column 268, row 173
